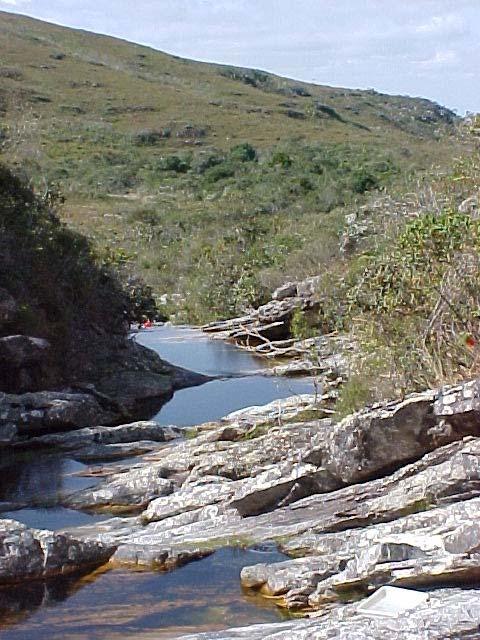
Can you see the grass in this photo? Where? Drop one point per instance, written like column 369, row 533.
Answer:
column 211, row 182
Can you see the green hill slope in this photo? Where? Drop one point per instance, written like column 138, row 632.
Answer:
column 211, row 181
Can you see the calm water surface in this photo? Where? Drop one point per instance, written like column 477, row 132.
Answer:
column 118, row 604
column 193, row 350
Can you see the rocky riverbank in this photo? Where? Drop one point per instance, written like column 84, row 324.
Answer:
column 387, row 496
column 135, row 385
column 267, row 332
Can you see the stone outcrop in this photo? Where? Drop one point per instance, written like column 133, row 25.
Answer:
column 104, row 443
column 387, row 496
column 447, row 615
column 244, row 481
column 126, row 492
column 25, row 415
column 138, row 385
column 272, row 320
column 33, row 554
column 267, row 332
column 25, row 362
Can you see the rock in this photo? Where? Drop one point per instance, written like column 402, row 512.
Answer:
column 274, row 412
column 122, row 434
column 271, row 320
column 209, row 491
column 20, row 351
column 374, row 440
column 8, row 307
column 275, row 486
column 185, row 524
column 471, row 205
column 30, row 414
column 361, row 533
column 120, row 451
column 457, row 409
column 449, row 614
column 301, row 574
column 24, row 363
column 126, row 492
column 27, row 554
column 288, row 290
column 308, row 287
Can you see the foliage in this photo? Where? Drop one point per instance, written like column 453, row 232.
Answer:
column 174, row 162
column 416, row 299
column 62, row 289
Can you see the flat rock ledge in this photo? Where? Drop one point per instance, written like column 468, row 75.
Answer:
column 27, row 554
column 388, row 496
column 448, row 614
column 109, row 443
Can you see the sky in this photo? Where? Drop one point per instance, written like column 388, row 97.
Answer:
column 428, row 48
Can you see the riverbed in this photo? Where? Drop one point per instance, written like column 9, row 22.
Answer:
column 204, row 595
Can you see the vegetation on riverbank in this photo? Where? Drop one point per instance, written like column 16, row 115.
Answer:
column 215, row 185
column 212, row 183
column 410, row 295
column 54, row 286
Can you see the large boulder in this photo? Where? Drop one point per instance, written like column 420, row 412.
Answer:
column 26, row 553
column 24, row 363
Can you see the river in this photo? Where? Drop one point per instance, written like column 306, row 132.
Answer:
column 114, row 604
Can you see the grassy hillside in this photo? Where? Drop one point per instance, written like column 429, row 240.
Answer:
column 212, row 182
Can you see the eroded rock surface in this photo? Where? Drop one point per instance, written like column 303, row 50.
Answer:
column 448, row 614
column 29, row 414
column 110, row 443
column 389, row 495
column 124, row 492
column 30, row 553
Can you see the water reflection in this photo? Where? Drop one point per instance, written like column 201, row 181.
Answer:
column 193, row 350
column 32, row 483
column 204, row 595
column 18, row 602
column 120, row 604
column 38, row 477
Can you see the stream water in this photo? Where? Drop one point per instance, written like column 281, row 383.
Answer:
column 204, row 595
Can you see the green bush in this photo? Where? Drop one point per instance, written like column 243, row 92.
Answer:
column 64, row 291
column 243, row 153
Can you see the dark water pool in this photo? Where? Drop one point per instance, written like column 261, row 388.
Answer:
column 32, row 484
column 204, row 595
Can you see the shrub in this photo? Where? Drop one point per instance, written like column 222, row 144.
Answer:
column 174, row 163
column 243, row 153
column 220, row 171
column 150, row 137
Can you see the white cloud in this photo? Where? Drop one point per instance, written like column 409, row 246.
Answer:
column 14, row 3
column 439, row 25
column 440, row 58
